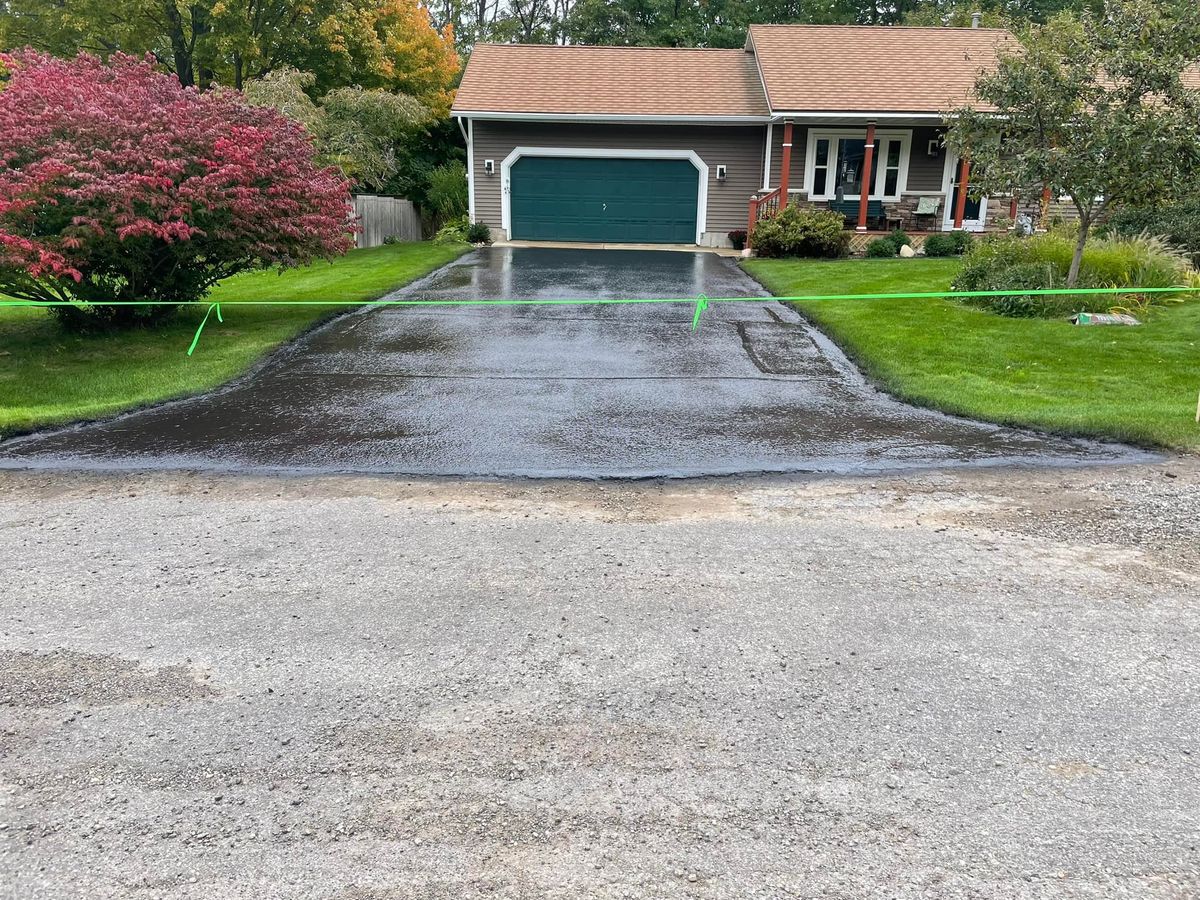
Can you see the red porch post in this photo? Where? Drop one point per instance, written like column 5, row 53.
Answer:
column 785, row 165
column 753, row 221
column 864, row 198
column 964, row 181
column 1012, row 207
column 1045, row 208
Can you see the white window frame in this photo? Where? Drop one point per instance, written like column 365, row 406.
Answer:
column 592, row 152
column 834, row 135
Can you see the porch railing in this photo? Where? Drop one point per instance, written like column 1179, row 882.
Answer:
column 761, row 208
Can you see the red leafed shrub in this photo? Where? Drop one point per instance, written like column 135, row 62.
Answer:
column 117, row 184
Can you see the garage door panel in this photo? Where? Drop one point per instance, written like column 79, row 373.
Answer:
column 603, row 199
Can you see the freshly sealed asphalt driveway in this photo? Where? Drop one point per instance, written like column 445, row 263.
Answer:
column 594, row 391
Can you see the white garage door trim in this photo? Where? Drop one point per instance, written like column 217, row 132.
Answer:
column 595, row 153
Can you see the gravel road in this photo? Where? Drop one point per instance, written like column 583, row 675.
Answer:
column 977, row 684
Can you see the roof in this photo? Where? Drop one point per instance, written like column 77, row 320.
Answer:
column 617, row 81
column 856, row 68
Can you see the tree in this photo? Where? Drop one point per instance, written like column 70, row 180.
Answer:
column 380, row 43
column 119, row 185
column 1103, row 109
column 392, row 44
column 366, row 133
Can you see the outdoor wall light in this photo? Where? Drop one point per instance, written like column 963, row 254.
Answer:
column 489, row 167
column 721, row 172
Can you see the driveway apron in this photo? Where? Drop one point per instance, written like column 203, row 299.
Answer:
column 620, row 390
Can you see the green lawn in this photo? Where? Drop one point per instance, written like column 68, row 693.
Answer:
column 48, row 377
column 1133, row 384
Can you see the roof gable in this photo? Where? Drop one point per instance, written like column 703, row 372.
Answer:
column 885, row 69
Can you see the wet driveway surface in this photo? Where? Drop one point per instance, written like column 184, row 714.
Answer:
column 592, row 391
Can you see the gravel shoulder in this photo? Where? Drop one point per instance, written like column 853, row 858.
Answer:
column 967, row 684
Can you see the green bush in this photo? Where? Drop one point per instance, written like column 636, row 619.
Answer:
column 456, row 231
column 882, row 247
column 963, row 240
column 1043, row 261
column 807, row 232
column 479, row 233
column 940, row 245
column 900, row 239
column 1179, row 223
column 952, row 243
column 446, row 190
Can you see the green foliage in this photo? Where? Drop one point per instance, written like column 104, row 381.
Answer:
column 951, row 243
column 365, row 133
column 1179, row 223
column 881, row 247
column 940, row 245
column 1043, row 261
column 447, row 191
column 456, row 231
column 1094, row 108
column 807, row 232
column 900, row 238
column 479, row 233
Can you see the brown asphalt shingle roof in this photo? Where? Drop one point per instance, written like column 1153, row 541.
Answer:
column 828, row 68
column 646, row 81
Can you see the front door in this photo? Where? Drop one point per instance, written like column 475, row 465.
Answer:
column 975, row 210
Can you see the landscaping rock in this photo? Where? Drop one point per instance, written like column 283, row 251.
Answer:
column 907, row 252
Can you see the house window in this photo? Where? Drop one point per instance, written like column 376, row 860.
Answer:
column 891, row 168
column 821, row 167
column 835, row 163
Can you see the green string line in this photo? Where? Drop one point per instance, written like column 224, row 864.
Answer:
column 708, row 301
column 701, row 302
column 701, row 306
column 196, row 339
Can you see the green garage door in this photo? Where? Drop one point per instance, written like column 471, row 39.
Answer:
column 555, row 198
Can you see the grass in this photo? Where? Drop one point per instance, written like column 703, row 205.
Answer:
column 49, row 377
column 1132, row 384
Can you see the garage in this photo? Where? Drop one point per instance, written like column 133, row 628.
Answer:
column 604, row 199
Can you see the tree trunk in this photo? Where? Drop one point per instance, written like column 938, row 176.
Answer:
column 180, row 50
column 1085, row 224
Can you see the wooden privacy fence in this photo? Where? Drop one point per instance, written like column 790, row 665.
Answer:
column 383, row 217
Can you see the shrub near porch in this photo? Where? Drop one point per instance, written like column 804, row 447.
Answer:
column 1133, row 384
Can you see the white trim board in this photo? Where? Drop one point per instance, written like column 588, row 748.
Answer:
column 601, row 153
column 471, row 170
column 613, row 117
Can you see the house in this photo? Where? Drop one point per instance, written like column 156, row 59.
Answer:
column 665, row 145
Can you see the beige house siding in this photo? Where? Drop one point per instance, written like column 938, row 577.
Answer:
column 739, row 148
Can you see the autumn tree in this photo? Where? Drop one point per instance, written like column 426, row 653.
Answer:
column 1104, row 109
column 379, row 43
column 119, row 185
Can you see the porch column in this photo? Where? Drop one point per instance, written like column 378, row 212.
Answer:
column 1044, row 214
column 1012, row 207
column 864, row 193
column 964, row 181
column 785, row 165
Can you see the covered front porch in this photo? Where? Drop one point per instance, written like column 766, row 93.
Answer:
column 912, row 180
